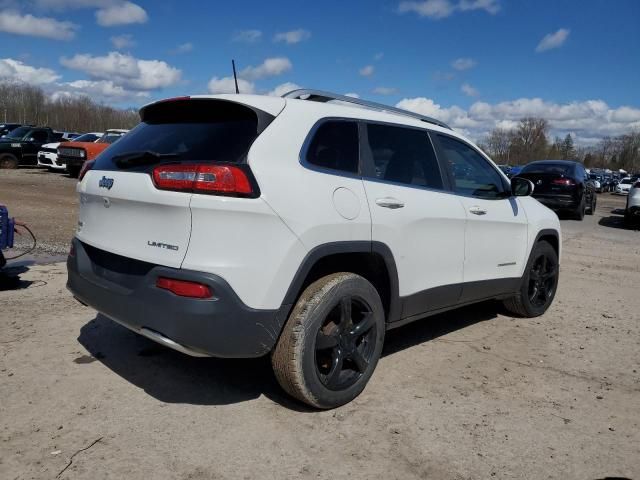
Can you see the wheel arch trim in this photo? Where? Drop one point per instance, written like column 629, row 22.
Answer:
column 320, row 252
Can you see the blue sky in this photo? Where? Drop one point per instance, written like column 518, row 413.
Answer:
column 476, row 64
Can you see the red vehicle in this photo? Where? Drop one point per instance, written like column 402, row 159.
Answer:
column 74, row 154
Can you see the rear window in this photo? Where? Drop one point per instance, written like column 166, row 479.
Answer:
column 111, row 137
column 189, row 131
column 551, row 168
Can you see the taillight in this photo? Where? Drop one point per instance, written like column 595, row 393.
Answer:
column 72, row 250
column 199, row 178
column 86, row 166
column 184, row 288
column 563, row 181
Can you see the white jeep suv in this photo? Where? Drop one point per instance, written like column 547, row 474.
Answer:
column 303, row 227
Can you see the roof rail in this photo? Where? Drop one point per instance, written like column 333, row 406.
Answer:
column 323, row 97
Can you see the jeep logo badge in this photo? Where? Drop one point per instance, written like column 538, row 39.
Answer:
column 105, row 183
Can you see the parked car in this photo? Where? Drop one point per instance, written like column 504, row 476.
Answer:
column 597, row 182
column 624, row 186
column 562, row 185
column 506, row 169
column 48, row 154
column 8, row 127
column 74, row 154
column 247, row 225
column 21, row 145
column 632, row 210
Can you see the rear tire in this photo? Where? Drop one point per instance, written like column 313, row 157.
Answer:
column 9, row 161
column 592, row 206
column 331, row 342
column 579, row 213
column 539, row 283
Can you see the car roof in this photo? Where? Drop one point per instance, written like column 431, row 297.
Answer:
column 116, row 130
column 275, row 105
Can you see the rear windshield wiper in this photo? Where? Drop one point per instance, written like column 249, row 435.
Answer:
column 146, row 157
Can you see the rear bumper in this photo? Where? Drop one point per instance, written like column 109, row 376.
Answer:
column 124, row 290
column 558, row 202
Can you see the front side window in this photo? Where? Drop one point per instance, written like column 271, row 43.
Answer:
column 472, row 173
column 403, row 155
column 335, row 146
column 39, row 136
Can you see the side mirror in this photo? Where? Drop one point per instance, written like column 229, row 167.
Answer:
column 521, row 187
column 31, row 139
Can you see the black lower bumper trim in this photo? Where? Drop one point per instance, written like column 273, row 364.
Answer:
column 124, row 290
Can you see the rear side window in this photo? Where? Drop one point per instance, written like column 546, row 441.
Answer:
column 403, row 155
column 335, row 146
column 472, row 174
column 188, row 131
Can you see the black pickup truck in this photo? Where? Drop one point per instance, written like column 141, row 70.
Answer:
column 20, row 146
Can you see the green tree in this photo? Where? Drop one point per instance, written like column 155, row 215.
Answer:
column 567, row 149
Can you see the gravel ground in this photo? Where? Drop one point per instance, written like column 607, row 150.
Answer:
column 469, row 394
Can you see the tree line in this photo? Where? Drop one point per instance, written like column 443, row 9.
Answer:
column 529, row 141
column 28, row 104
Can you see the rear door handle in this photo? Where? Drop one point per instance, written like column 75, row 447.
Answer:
column 476, row 210
column 389, row 202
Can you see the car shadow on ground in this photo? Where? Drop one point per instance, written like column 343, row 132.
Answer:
column 173, row 377
column 617, row 221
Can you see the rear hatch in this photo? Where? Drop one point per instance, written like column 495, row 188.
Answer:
column 134, row 200
column 550, row 179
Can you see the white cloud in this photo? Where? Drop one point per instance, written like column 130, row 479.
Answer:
column 553, row 40
column 125, row 70
column 122, row 41
column 293, row 36
column 271, row 67
column 247, row 36
column 16, row 23
column 227, row 85
column 121, row 13
column 385, row 90
column 182, row 48
column 378, row 56
column 16, row 71
column 587, row 119
column 437, row 9
column 98, row 90
column 429, row 8
column 367, row 71
column 283, row 88
column 469, row 90
column 462, row 64
column 489, row 6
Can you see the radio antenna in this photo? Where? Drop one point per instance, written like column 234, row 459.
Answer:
column 235, row 77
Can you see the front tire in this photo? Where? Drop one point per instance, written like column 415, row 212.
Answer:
column 9, row 161
column 539, row 283
column 331, row 342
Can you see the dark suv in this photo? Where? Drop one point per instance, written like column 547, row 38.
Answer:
column 562, row 186
column 21, row 145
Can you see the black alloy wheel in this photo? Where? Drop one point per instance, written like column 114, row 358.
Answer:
column 345, row 343
column 542, row 281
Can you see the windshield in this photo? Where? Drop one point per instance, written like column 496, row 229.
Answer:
column 549, row 168
column 110, row 137
column 87, row 137
column 18, row 133
column 626, row 181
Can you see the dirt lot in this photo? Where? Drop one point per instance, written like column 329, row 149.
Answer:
column 470, row 394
